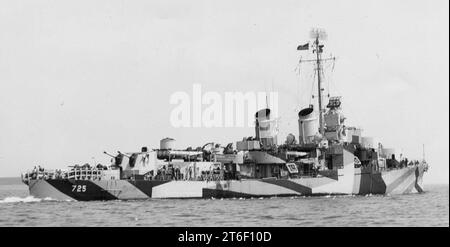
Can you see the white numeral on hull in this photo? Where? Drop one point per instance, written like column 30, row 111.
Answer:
column 78, row 188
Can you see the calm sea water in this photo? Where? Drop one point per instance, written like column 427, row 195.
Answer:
column 431, row 208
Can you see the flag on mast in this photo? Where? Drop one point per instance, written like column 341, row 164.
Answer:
column 303, row 47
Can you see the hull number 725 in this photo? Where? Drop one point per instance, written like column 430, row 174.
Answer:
column 78, row 188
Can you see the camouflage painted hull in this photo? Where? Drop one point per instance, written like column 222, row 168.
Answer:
column 350, row 180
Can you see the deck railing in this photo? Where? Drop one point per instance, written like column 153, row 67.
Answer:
column 85, row 174
column 75, row 173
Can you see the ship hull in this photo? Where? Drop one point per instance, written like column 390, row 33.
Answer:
column 349, row 181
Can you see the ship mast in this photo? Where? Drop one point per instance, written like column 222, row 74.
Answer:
column 318, row 34
column 318, row 51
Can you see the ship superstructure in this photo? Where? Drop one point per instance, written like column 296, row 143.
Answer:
column 328, row 158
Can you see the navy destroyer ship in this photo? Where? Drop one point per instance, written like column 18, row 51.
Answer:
column 329, row 158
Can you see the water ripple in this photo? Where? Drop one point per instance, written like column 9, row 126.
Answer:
column 427, row 209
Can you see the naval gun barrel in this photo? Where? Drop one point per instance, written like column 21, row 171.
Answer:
column 126, row 155
column 110, row 155
column 179, row 154
column 114, row 156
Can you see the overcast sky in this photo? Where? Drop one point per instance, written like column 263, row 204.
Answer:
column 80, row 77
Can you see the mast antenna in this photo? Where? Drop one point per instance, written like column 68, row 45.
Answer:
column 318, row 35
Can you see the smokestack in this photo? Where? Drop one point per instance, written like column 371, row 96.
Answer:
column 265, row 128
column 307, row 125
